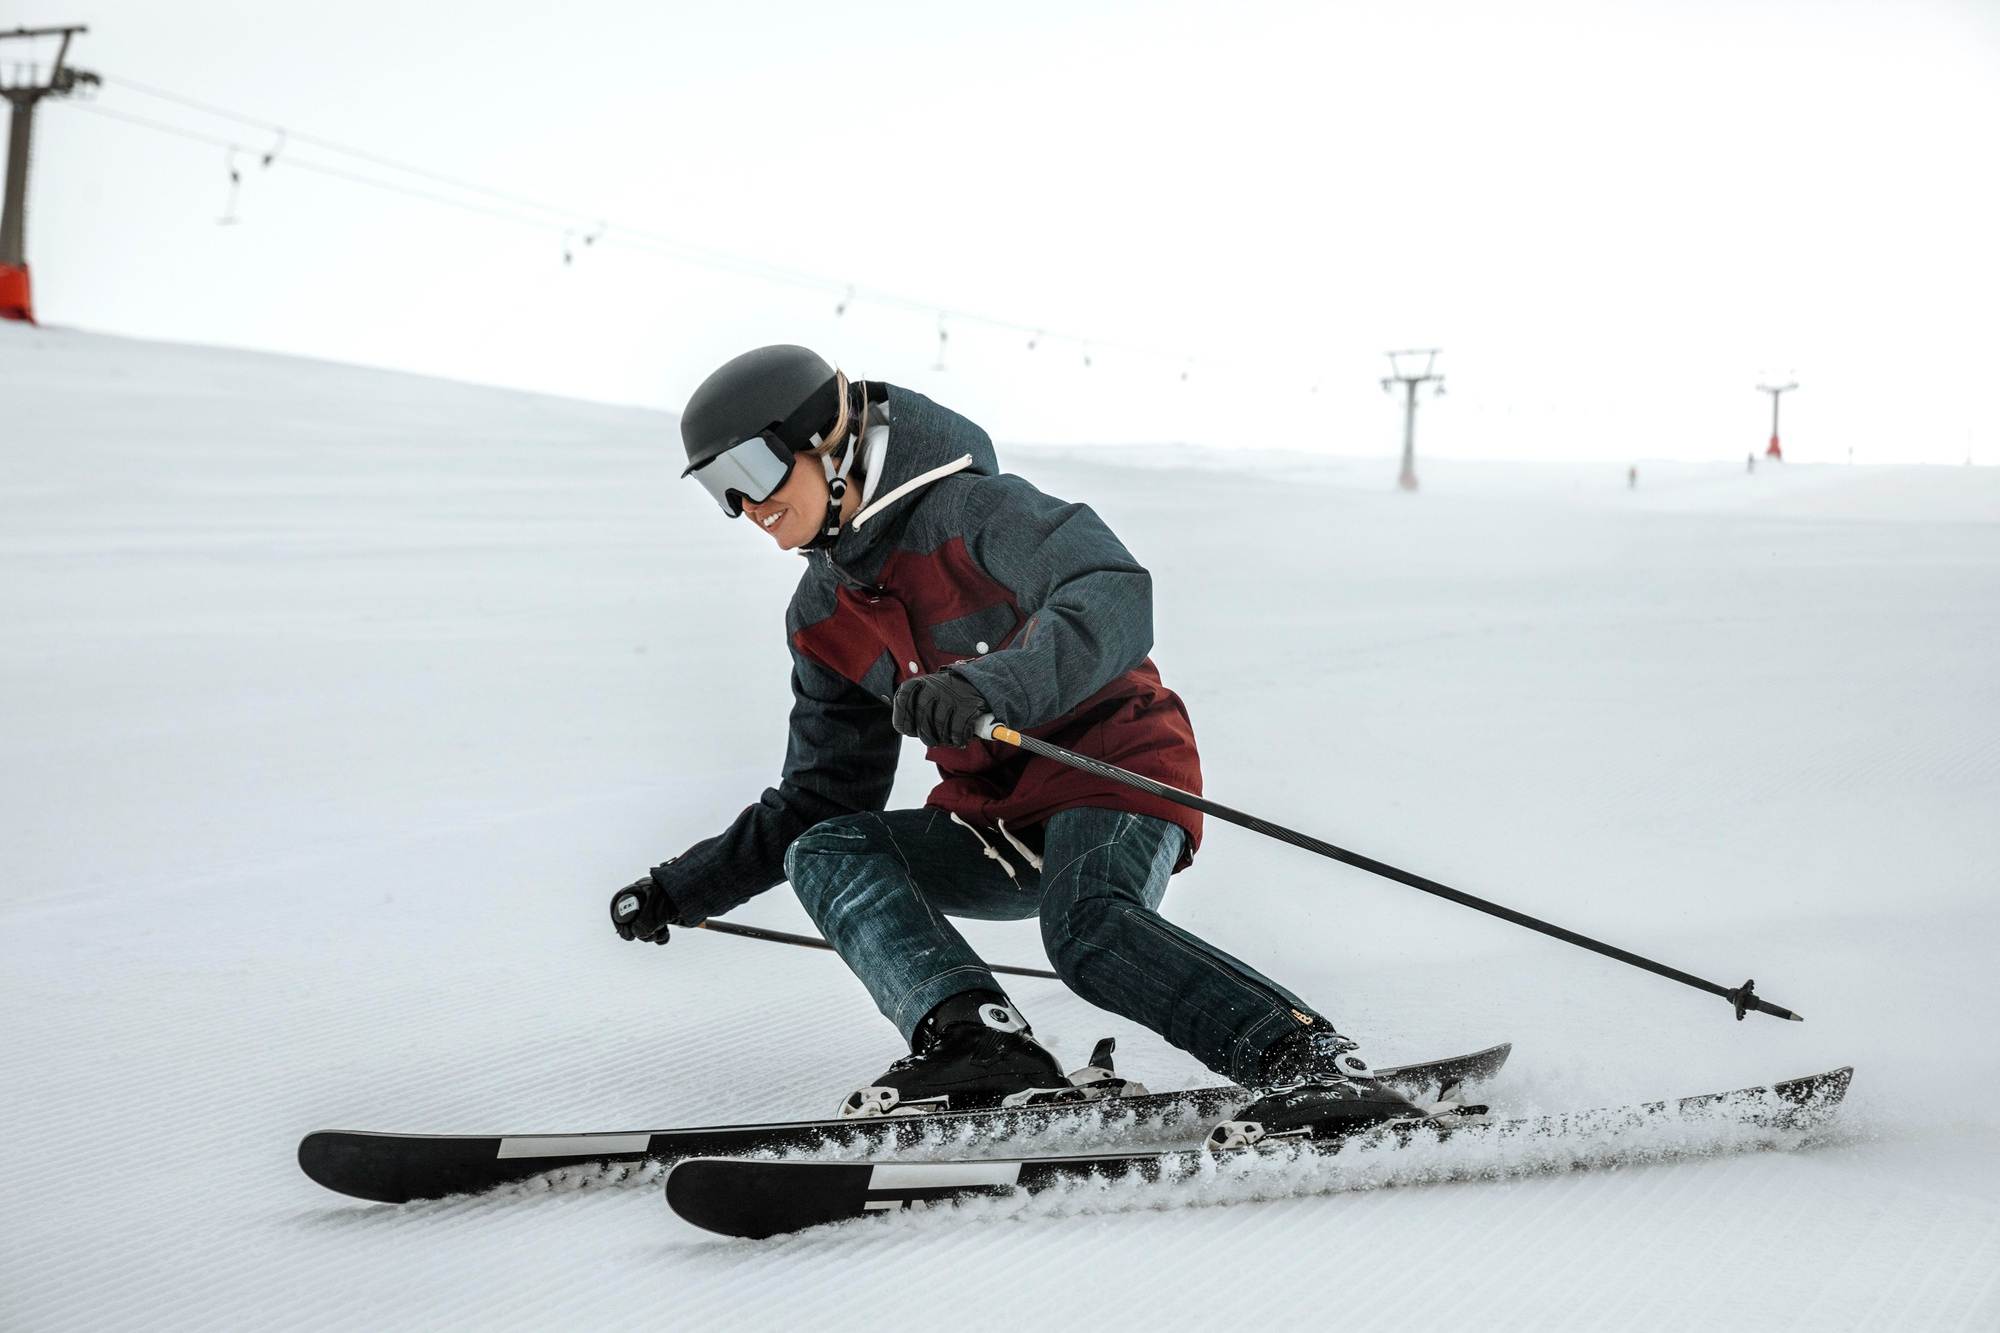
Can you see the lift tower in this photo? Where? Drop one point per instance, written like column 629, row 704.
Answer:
column 1410, row 379
column 20, row 85
column 1776, row 391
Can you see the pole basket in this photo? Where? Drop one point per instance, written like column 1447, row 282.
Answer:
column 1774, row 451
column 15, row 302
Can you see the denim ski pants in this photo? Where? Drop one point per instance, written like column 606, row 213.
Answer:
column 881, row 885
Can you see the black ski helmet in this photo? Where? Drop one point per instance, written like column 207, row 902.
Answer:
column 789, row 391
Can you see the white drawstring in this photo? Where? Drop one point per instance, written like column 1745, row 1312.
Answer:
column 876, row 506
column 1026, row 855
column 987, row 847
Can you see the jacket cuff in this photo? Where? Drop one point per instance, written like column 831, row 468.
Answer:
column 662, row 876
column 995, row 687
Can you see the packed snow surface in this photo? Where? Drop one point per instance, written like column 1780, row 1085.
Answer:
column 335, row 703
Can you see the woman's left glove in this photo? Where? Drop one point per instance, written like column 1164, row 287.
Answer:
column 939, row 709
column 642, row 910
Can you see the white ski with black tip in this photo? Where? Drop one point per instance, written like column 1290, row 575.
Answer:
column 401, row 1168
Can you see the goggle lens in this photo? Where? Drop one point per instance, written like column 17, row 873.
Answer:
column 751, row 471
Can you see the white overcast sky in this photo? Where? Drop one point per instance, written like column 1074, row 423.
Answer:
column 1614, row 218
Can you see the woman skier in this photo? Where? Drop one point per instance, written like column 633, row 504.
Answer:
column 939, row 590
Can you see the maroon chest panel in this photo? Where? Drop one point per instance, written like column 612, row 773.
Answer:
column 915, row 594
column 861, row 629
column 945, row 585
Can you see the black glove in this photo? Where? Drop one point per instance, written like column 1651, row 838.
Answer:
column 642, row 910
column 940, row 709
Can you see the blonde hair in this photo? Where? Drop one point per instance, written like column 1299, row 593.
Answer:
column 837, row 436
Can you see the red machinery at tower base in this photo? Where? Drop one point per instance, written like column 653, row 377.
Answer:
column 15, row 301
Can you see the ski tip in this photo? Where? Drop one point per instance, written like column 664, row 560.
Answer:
column 316, row 1151
column 340, row 1161
column 324, row 1161
column 1819, row 1093
column 756, row 1200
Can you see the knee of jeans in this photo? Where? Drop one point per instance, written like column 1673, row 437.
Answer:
column 1074, row 921
column 843, row 835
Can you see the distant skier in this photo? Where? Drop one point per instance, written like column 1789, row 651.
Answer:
column 937, row 590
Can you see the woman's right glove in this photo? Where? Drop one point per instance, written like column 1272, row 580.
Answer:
column 642, row 910
column 941, row 709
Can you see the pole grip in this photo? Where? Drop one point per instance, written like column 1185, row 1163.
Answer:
column 989, row 730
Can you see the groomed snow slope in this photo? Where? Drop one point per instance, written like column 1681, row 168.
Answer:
column 336, row 702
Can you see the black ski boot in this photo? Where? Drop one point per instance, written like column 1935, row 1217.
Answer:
column 970, row 1052
column 1318, row 1087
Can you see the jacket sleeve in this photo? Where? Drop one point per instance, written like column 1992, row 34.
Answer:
column 1089, row 603
column 841, row 758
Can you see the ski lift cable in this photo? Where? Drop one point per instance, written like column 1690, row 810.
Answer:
column 301, row 164
column 334, row 146
column 638, row 238
column 851, row 292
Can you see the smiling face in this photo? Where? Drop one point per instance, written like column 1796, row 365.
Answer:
column 792, row 514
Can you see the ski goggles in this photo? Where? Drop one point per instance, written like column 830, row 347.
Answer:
column 751, row 471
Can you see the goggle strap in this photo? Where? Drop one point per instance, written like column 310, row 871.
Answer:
column 799, row 432
column 836, row 474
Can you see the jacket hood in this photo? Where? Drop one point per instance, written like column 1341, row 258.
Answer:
column 925, row 442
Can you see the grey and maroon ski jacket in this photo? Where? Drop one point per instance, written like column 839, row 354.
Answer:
column 954, row 565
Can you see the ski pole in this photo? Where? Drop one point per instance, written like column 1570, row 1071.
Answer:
column 1743, row 997
column 815, row 942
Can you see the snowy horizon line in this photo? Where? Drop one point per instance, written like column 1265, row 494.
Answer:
column 1323, row 452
